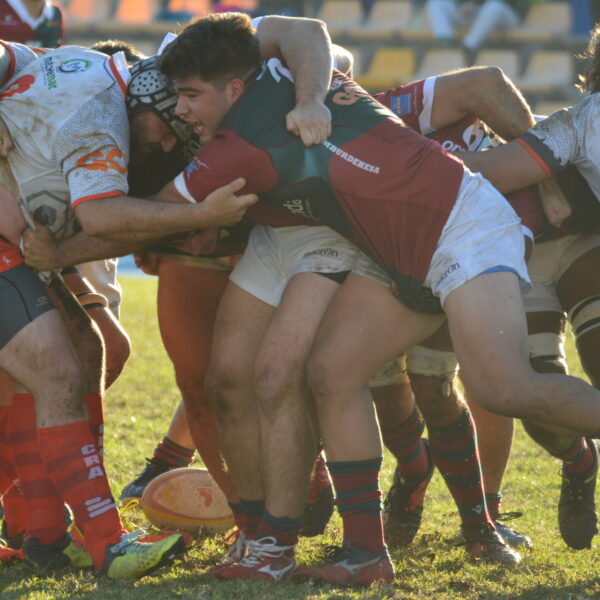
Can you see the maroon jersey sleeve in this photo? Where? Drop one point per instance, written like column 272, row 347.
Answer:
column 226, row 158
column 406, row 102
column 221, row 161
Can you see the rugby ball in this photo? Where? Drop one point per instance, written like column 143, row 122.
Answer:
column 188, row 500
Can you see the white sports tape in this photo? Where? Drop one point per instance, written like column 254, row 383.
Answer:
column 392, row 373
column 585, row 316
column 432, row 363
column 548, row 348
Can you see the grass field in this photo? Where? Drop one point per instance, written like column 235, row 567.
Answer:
column 138, row 409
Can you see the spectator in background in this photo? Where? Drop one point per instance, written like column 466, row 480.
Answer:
column 245, row 6
column 481, row 17
column 32, row 22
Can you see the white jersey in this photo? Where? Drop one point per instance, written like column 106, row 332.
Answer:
column 569, row 136
column 65, row 111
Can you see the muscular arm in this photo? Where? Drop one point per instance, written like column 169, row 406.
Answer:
column 508, row 167
column 485, row 92
column 305, row 47
column 124, row 218
column 44, row 253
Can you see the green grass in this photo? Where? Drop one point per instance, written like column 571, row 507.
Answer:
column 138, row 409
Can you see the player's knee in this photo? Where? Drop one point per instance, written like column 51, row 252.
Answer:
column 226, row 386
column 325, row 380
column 279, row 384
column 118, row 350
column 436, row 397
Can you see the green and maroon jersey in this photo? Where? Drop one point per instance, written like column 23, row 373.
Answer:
column 385, row 187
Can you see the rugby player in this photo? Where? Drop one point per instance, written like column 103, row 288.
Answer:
column 295, row 121
column 212, row 98
column 309, row 263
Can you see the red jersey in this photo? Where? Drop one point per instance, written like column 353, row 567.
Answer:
column 413, row 104
column 17, row 25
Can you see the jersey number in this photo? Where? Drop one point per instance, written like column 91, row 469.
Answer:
column 103, row 161
column 18, row 86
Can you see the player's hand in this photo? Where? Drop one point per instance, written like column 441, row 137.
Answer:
column 147, row 261
column 223, row 207
column 555, row 205
column 311, row 121
column 39, row 248
column 6, row 143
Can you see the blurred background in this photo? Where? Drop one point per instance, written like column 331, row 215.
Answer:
column 393, row 41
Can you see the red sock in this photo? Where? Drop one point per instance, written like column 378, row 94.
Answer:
column 171, row 453
column 358, row 499
column 95, row 410
column 43, row 504
column 76, row 469
column 7, row 469
column 579, row 457
column 15, row 511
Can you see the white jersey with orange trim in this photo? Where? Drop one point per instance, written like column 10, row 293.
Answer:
column 569, row 136
column 66, row 113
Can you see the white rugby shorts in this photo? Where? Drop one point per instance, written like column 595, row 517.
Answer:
column 548, row 263
column 275, row 254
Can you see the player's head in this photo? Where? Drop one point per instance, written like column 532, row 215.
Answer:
column 110, row 47
column 208, row 65
column 591, row 79
column 151, row 109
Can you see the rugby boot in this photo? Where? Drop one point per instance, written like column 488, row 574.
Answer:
column 264, row 560
column 350, row 566
column 9, row 555
column 136, row 487
column 132, row 559
column 235, row 544
column 403, row 505
column 577, row 517
column 59, row 555
column 484, row 544
column 512, row 537
column 321, row 501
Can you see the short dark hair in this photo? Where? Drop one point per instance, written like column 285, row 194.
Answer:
column 110, row 47
column 590, row 80
column 216, row 48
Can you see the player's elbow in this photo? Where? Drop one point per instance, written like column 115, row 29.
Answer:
column 94, row 218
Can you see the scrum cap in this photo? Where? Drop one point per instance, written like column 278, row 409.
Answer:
column 149, row 90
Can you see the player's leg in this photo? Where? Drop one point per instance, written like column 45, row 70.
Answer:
column 38, row 355
column 116, row 341
column 188, row 299
column 578, row 290
column 338, row 370
column 240, row 325
column 288, row 439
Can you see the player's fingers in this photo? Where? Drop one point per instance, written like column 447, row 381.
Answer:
column 247, row 200
column 291, row 125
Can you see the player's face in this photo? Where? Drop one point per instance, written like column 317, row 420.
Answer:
column 149, row 134
column 203, row 105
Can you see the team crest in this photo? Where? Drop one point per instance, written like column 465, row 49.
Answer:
column 74, row 65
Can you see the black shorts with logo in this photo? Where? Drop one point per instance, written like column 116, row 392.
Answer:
column 23, row 299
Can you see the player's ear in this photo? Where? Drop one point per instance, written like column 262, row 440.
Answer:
column 236, row 89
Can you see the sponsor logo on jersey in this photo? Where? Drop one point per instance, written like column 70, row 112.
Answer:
column 74, row 65
column 49, row 73
column 298, row 207
column 41, row 301
column 353, row 160
column 402, row 104
column 331, row 252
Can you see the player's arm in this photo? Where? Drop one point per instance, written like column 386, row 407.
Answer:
column 125, row 218
column 43, row 253
column 486, row 93
column 305, row 47
column 508, row 167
